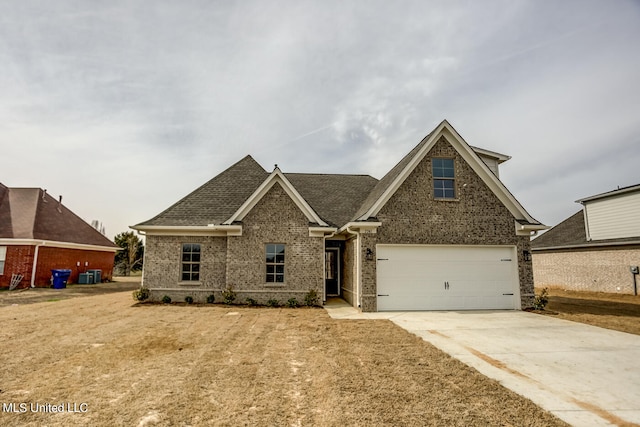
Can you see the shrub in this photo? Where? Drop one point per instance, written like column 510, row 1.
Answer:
column 273, row 303
column 292, row 303
column 311, row 298
column 228, row 296
column 166, row 299
column 251, row 302
column 211, row 299
column 141, row 294
column 541, row 300
column 188, row 299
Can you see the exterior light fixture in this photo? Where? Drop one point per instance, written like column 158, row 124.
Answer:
column 526, row 255
column 369, row 255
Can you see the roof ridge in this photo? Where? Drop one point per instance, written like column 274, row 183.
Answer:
column 329, row 174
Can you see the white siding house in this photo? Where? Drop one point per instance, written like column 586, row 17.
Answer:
column 613, row 215
column 596, row 249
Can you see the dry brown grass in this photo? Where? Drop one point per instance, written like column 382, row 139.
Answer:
column 619, row 312
column 217, row 365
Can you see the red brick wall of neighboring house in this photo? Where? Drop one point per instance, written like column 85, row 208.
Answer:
column 50, row 258
column 19, row 260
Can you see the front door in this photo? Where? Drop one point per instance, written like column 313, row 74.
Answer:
column 332, row 284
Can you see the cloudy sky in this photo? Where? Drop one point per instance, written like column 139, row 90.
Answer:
column 125, row 107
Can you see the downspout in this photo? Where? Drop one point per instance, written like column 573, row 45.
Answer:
column 144, row 257
column 35, row 264
column 358, row 287
column 324, row 265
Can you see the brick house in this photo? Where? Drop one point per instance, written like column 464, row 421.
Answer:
column 439, row 231
column 38, row 234
column 596, row 249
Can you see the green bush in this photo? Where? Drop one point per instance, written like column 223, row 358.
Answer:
column 188, row 299
column 211, row 299
column 251, row 302
column 141, row 294
column 311, row 298
column 541, row 300
column 273, row 303
column 166, row 299
column 292, row 303
column 228, row 296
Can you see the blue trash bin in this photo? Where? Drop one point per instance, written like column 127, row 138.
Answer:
column 60, row 278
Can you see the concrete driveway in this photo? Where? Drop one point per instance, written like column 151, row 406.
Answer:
column 585, row 375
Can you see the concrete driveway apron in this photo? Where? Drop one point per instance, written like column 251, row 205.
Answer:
column 585, row 375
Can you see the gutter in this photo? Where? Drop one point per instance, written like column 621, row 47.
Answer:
column 586, row 246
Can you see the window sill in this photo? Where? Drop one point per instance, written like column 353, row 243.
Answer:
column 440, row 199
column 189, row 283
column 275, row 285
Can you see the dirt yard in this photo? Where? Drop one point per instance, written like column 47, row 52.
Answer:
column 612, row 311
column 111, row 362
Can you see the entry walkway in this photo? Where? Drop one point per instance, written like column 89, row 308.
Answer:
column 585, row 375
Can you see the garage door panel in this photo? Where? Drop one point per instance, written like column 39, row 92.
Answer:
column 414, row 277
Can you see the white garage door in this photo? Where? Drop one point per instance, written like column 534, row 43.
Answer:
column 421, row 277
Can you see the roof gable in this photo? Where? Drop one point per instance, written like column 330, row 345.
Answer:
column 30, row 213
column 276, row 177
column 390, row 183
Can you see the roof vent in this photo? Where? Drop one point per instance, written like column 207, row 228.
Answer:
column 60, row 204
column 44, row 195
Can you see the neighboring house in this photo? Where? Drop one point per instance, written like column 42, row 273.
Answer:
column 38, row 234
column 595, row 249
column 438, row 232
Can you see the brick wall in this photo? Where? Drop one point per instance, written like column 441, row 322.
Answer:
column 20, row 260
column 163, row 265
column 56, row 258
column 475, row 217
column 587, row 270
column 239, row 261
column 275, row 219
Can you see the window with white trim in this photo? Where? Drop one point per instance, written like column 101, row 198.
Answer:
column 190, row 262
column 443, row 178
column 3, row 257
column 275, row 262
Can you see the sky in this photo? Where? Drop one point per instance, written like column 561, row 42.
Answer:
column 125, row 107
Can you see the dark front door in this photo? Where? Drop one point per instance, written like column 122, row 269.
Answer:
column 332, row 284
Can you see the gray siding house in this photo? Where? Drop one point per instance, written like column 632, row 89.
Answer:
column 596, row 249
column 438, row 232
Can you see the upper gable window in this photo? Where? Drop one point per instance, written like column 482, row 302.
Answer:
column 443, row 178
column 190, row 262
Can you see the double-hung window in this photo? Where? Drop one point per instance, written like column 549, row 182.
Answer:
column 275, row 262
column 443, row 178
column 190, row 262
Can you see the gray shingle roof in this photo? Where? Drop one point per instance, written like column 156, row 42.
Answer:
column 337, row 199
column 216, row 200
column 388, row 179
column 30, row 213
column 334, row 197
column 572, row 233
